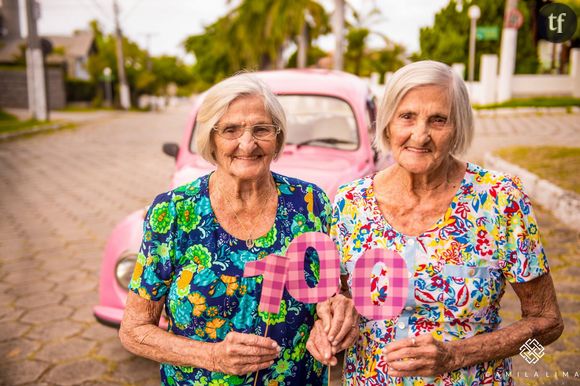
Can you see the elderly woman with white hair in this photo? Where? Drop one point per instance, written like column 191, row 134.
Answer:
column 197, row 239
column 463, row 232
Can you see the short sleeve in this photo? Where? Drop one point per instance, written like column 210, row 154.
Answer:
column 323, row 210
column 154, row 267
column 335, row 233
column 524, row 258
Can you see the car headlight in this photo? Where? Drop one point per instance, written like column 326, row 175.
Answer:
column 124, row 269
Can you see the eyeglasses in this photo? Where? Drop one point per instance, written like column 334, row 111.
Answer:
column 260, row 131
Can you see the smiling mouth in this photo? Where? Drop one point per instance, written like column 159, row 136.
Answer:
column 247, row 157
column 417, row 149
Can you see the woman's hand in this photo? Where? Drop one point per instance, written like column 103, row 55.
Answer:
column 319, row 346
column 419, row 356
column 340, row 321
column 240, row 354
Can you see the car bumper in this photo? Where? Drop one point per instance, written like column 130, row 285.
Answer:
column 108, row 316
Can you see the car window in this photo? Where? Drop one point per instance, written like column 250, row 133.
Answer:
column 317, row 120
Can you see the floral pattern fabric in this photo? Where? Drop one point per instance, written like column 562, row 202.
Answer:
column 188, row 260
column 457, row 271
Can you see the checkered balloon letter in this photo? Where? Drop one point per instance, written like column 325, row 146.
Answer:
column 273, row 268
column 329, row 268
column 397, row 288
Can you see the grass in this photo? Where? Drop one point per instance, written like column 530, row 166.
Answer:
column 84, row 109
column 4, row 116
column 556, row 164
column 9, row 123
column 533, row 102
column 16, row 125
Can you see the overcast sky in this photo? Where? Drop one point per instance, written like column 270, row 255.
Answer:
column 163, row 24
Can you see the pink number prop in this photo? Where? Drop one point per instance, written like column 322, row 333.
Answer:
column 398, row 284
column 273, row 268
column 281, row 272
column 329, row 268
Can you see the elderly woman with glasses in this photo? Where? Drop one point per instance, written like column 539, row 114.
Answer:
column 197, row 239
column 464, row 232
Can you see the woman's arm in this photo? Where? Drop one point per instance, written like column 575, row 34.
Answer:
column 236, row 354
column 541, row 320
column 337, row 327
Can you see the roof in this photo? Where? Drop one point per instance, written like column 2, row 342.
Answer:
column 78, row 45
column 318, row 82
column 314, row 81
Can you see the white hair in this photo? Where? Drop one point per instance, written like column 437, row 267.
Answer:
column 217, row 100
column 427, row 73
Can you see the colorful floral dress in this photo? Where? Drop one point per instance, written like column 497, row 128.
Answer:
column 457, row 271
column 188, row 260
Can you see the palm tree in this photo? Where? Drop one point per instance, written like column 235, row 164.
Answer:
column 275, row 24
column 253, row 35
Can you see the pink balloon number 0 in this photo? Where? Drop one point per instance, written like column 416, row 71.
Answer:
column 281, row 272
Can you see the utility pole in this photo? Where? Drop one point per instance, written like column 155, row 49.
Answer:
column 123, row 86
column 338, row 34
column 474, row 13
column 35, row 76
column 302, row 56
column 148, row 36
column 509, row 40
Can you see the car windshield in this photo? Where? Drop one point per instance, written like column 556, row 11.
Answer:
column 317, row 120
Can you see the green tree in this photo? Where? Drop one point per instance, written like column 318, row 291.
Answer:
column 448, row 39
column 355, row 49
column 253, row 36
column 145, row 74
column 314, row 54
column 361, row 60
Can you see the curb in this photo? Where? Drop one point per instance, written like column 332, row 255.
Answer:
column 563, row 204
column 510, row 111
column 33, row 130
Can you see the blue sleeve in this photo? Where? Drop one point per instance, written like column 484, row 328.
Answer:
column 154, row 267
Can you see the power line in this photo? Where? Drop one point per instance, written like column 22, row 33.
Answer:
column 126, row 15
column 98, row 6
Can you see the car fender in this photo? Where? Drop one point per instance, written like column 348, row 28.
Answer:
column 125, row 238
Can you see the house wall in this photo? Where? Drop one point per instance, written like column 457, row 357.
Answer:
column 541, row 85
column 14, row 93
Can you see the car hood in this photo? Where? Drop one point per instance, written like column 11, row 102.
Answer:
column 328, row 173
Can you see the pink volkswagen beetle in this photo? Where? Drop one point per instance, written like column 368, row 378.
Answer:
column 330, row 117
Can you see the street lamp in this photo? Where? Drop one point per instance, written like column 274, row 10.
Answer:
column 108, row 86
column 474, row 13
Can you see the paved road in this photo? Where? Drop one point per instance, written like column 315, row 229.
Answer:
column 61, row 194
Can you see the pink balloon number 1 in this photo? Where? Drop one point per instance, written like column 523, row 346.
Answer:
column 279, row 272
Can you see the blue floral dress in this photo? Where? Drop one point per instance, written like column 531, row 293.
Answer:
column 457, row 272
column 188, row 260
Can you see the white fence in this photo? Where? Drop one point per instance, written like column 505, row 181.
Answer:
column 522, row 86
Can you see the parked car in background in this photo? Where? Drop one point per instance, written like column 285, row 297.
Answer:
column 330, row 117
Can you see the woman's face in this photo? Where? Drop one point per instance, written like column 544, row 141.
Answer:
column 419, row 133
column 245, row 157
